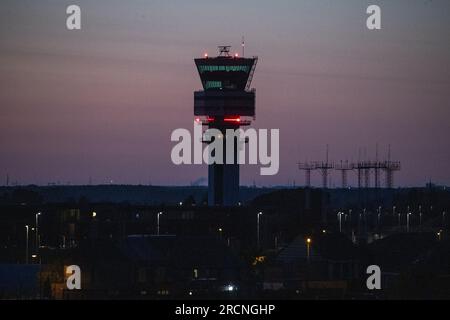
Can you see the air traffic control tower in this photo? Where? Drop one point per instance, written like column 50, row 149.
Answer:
column 226, row 102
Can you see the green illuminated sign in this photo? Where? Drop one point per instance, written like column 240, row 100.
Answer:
column 213, row 84
column 204, row 68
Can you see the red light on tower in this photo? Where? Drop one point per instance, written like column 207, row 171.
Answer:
column 206, row 55
column 236, row 55
column 232, row 119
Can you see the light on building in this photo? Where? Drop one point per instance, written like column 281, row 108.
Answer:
column 230, row 288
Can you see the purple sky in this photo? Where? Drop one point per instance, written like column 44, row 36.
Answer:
column 102, row 102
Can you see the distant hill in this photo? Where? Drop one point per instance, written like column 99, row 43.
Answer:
column 133, row 194
column 279, row 196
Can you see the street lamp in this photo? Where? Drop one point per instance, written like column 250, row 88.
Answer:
column 37, row 231
column 257, row 228
column 365, row 220
column 407, row 221
column 379, row 215
column 308, row 244
column 26, row 245
column 157, row 219
column 443, row 219
column 420, row 216
column 340, row 221
column 407, row 214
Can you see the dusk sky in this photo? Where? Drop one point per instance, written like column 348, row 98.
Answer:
column 102, row 102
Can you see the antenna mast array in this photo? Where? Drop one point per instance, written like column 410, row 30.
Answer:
column 363, row 168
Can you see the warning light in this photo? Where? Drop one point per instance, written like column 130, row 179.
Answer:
column 234, row 119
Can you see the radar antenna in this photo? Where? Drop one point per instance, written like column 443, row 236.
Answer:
column 224, row 51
